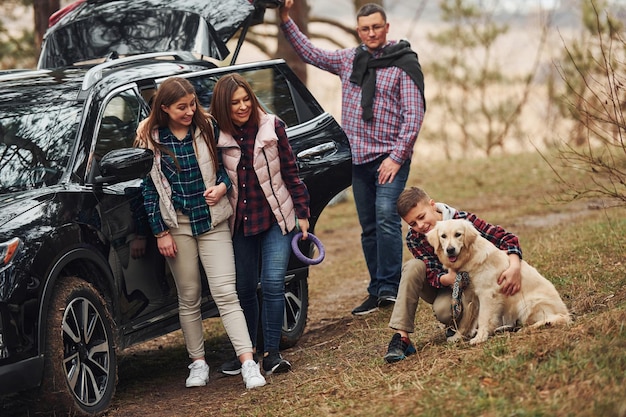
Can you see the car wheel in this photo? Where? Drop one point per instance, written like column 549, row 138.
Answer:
column 80, row 371
column 296, row 310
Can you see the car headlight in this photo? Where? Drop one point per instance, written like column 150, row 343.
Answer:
column 8, row 251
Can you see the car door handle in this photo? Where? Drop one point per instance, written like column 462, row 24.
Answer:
column 317, row 152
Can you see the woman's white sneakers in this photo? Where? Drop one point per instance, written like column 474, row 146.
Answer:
column 252, row 374
column 198, row 374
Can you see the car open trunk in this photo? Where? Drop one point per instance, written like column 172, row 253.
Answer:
column 97, row 29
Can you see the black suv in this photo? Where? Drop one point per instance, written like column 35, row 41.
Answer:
column 72, row 291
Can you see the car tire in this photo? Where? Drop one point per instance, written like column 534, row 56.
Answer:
column 80, row 370
column 296, row 311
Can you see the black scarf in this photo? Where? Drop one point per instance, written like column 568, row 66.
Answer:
column 364, row 71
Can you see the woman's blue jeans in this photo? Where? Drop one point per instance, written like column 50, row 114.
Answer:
column 263, row 258
column 381, row 226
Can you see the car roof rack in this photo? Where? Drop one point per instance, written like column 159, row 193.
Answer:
column 14, row 74
column 95, row 73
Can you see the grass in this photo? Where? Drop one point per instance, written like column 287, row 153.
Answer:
column 575, row 371
column 338, row 367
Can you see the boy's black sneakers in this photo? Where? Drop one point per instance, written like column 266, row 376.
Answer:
column 399, row 348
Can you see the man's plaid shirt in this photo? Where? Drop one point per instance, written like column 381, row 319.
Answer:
column 398, row 106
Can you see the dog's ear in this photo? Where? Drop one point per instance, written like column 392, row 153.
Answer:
column 433, row 237
column 469, row 234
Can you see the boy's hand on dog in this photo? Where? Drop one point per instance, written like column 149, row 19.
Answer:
column 448, row 278
column 511, row 279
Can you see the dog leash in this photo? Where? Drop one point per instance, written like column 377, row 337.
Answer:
column 460, row 283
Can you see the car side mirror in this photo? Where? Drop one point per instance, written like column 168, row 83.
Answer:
column 124, row 164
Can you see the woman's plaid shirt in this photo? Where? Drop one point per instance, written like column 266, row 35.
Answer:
column 254, row 213
column 187, row 185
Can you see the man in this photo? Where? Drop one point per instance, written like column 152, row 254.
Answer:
column 382, row 112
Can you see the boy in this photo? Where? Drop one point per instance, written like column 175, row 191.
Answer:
column 425, row 277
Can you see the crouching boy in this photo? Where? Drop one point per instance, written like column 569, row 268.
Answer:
column 425, row 277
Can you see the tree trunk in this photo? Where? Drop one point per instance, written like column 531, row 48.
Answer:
column 360, row 3
column 300, row 15
column 43, row 9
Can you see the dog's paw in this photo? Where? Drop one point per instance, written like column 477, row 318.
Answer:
column 457, row 337
column 506, row 328
column 479, row 338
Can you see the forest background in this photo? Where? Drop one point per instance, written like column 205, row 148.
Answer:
column 505, row 76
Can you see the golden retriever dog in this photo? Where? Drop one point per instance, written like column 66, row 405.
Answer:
column 461, row 247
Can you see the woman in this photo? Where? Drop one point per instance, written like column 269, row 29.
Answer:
column 184, row 197
column 269, row 199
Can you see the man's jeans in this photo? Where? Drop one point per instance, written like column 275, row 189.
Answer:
column 381, row 236
column 272, row 250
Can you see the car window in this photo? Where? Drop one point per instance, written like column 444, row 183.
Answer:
column 119, row 122
column 270, row 86
column 35, row 143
